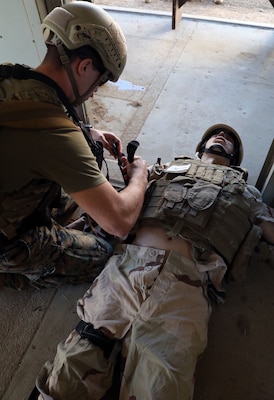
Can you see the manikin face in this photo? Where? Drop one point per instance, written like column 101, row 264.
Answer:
column 222, row 139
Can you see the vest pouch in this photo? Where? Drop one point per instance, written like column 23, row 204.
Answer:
column 191, row 201
column 203, row 195
column 201, row 199
column 174, row 199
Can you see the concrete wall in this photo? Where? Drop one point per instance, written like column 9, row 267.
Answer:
column 20, row 36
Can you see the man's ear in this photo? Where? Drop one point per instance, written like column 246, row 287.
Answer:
column 84, row 66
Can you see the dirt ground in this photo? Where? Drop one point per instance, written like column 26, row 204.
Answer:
column 259, row 11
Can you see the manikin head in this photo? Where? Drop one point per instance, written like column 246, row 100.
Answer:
column 222, row 141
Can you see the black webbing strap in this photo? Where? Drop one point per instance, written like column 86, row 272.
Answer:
column 87, row 331
column 34, row 394
column 19, row 71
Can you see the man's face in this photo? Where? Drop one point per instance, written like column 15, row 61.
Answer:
column 89, row 82
column 88, row 78
column 222, row 139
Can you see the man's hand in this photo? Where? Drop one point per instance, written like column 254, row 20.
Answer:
column 110, row 141
column 135, row 173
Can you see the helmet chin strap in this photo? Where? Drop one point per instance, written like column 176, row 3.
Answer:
column 66, row 62
column 100, row 81
column 219, row 150
column 79, row 99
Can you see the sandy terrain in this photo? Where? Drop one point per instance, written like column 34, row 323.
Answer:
column 260, row 11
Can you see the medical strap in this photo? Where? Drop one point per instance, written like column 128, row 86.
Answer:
column 96, row 336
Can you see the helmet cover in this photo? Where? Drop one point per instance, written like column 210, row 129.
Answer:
column 82, row 23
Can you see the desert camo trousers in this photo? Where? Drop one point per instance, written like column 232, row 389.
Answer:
column 55, row 253
column 156, row 303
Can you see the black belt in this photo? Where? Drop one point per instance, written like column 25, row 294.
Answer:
column 86, row 331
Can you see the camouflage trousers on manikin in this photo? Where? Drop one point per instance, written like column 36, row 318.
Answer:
column 49, row 256
column 156, row 305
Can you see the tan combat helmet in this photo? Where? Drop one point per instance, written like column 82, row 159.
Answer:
column 82, row 23
column 237, row 156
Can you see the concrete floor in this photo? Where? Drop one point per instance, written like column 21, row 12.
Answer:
column 178, row 83
column 175, row 85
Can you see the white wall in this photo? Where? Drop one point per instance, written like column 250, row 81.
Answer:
column 20, row 36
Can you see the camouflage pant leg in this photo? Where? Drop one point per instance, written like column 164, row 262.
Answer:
column 55, row 252
column 168, row 335
column 80, row 372
column 165, row 309
column 104, row 305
